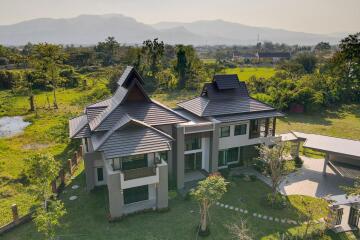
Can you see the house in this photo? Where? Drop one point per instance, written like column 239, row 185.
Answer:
column 273, row 56
column 135, row 145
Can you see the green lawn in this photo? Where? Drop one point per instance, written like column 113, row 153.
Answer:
column 244, row 73
column 86, row 217
column 343, row 122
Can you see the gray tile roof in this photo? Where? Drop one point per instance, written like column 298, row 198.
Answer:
column 150, row 113
column 78, row 127
column 247, row 116
column 231, row 98
column 205, row 107
column 140, row 138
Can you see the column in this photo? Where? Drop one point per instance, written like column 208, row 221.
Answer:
column 180, row 168
column 214, row 142
column 116, row 199
column 325, row 163
column 162, row 196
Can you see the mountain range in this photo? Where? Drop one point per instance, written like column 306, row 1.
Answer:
column 90, row 29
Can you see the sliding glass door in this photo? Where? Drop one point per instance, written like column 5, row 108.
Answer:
column 193, row 161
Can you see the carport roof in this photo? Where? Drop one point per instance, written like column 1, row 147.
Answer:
column 331, row 144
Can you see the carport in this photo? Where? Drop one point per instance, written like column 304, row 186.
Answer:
column 341, row 155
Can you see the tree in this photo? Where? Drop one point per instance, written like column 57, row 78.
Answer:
column 181, row 65
column 240, row 231
column 274, row 158
column 353, row 190
column 307, row 60
column 314, row 210
column 322, row 46
column 47, row 58
column 108, row 51
column 153, row 51
column 42, row 169
column 46, row 220
column 207, row 193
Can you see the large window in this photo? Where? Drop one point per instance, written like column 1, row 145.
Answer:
column 163, row 156
column 225, row 131
column 240, row 129
column 130, row 162
column 192, row 143
column 136, row 194
column 227, row 156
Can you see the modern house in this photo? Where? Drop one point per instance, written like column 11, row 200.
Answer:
column 135, row 145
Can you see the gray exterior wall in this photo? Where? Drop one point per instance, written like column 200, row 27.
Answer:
column 116, row 198
column 89, row 160
column 214, row 148
column 162, row 188
column 180, row 167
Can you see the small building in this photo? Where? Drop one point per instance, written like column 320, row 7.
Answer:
column 273, row 56
column 243, row 56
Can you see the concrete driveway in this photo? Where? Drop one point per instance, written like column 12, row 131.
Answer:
column 310, row 181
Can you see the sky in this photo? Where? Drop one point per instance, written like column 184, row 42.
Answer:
column 314, row 16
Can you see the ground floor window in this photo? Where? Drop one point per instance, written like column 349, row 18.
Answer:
column 100, row 174
column 193, row 161
column 227, row 156
column 136, row 194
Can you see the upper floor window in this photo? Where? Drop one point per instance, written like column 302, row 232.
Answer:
column 240, row 129
column 193, row 143
column 225, row 131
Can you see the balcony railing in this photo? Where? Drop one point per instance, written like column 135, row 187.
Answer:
column 139, row 173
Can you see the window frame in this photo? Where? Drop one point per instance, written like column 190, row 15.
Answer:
column 243, row 127
column 221, row 131
column 193, row 141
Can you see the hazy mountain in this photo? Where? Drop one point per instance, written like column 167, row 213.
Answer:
column 90, row 29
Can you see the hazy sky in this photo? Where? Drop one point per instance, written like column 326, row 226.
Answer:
column 317, row 16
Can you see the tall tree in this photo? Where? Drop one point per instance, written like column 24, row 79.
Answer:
column 48, row 58
column 108, row 51
column 207, row 193
column 153, row 51
column 181, row 65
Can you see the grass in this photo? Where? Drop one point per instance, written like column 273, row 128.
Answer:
column 86, row 217
column 342, row 122
column 47, row 133
column 244, row 73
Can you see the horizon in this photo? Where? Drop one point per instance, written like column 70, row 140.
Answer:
column 330, row 18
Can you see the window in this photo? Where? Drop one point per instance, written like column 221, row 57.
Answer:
column 136, row 194
column 193, row 161
column 240, row 129
column 225, row 131
column 132, row 162
column 193, row 143
column 254, row 129
column 100, row 174
column 163, row 156
column 227, row 156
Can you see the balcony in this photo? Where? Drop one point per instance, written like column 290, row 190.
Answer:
column 139, row 173
column 140, row 176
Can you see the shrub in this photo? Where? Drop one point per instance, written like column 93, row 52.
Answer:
column 4, row 61
column 278, row 201
column 298, row 162
column 260, row 166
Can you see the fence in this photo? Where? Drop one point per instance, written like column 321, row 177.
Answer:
column 57, row 185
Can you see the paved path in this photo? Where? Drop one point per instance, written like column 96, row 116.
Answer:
column 310, row 181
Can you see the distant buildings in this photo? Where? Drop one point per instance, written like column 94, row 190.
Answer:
column 261, row 56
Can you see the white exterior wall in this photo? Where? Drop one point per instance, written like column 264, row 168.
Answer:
column 152, row 191
column 240, row 140
column 205, row 150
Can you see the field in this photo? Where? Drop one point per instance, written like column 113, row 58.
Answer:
column 244, row 73
column 88, row 221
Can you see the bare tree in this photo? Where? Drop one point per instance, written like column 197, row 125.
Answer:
column 240, row 231
column 273, row 156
